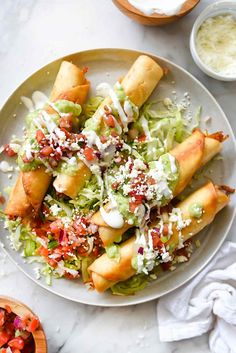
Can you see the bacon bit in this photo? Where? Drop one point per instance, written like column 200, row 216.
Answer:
column 142, row 138
column 9, row 151
column 89, row 153
column 219, row 136
column 2, row 200
column 46, row 151
column 227, row 189
column 66, row 122
column 40, row 136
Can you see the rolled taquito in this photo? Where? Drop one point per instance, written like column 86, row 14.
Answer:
column 138, row 84
column 190, row 156
column 105, row 272
column 30, row 188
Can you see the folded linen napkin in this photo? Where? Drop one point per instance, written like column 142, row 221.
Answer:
column 208, row 302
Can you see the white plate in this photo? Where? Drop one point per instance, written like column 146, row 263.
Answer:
column 108, row 65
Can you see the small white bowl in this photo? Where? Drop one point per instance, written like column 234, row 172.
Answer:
column 218, row 8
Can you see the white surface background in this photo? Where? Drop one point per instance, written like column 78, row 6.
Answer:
column 33, row 33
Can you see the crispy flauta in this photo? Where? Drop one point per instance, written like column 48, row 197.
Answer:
column 31, row 187
column 106, row 272
column 138, row 85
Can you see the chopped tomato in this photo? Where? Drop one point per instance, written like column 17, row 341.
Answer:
column 4, row 337
column 80, row 230
column 56, row 227
column 4, row 350
column 115, row 185
column 133, row 206
column 142, row 138
column 39, row 136
column 89, row 153
column 66, row 122
column 25, row 159
column 9, row 151
column 110, row 121
column 42, row 251
column 46, row 151
column 103, row 139
column 15, row 350
column 33, row 324
column 17, row 343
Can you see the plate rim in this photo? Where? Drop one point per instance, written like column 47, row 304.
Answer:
column 206, row 262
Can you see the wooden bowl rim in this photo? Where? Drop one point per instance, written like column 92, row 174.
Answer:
column 39, row 334
column 125, row 4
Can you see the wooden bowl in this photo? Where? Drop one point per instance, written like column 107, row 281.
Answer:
column 21, row 310
column 155, row 19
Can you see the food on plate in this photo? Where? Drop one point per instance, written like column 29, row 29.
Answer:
column 156, row 243
column 189, row 156
column 100, row 181
column 34, row 179
column 135, row 87
column 16, row 332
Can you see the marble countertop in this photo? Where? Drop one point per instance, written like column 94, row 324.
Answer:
column 32, row 33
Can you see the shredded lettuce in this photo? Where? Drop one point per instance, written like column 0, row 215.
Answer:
column 91, row 106
column 166, row 125
column 130, row 286
column 89, row 197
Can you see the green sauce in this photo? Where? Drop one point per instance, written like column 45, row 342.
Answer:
column 196, row 210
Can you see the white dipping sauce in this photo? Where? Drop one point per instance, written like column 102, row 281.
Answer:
column 216, row 44
column 113, row 218
column 163, row 7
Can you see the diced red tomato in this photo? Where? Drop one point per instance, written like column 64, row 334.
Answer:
column 66, row 122
column 9, row 151
column 17, row 343
column 46, row 151
column 115, row 185
column 133, row 206
column 39, row 136
column 110, row 121
column 80, row 230
column 4, row 337
column 43, row 251
column 56, row 227
column 142, row 138
column 103, row 139
column 25, row 159
column 89, row 153
column 33, row 324
column 155, row 240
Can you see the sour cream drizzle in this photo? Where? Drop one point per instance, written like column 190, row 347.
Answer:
column 113, row 218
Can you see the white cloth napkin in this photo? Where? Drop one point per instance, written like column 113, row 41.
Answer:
column 208, row 302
